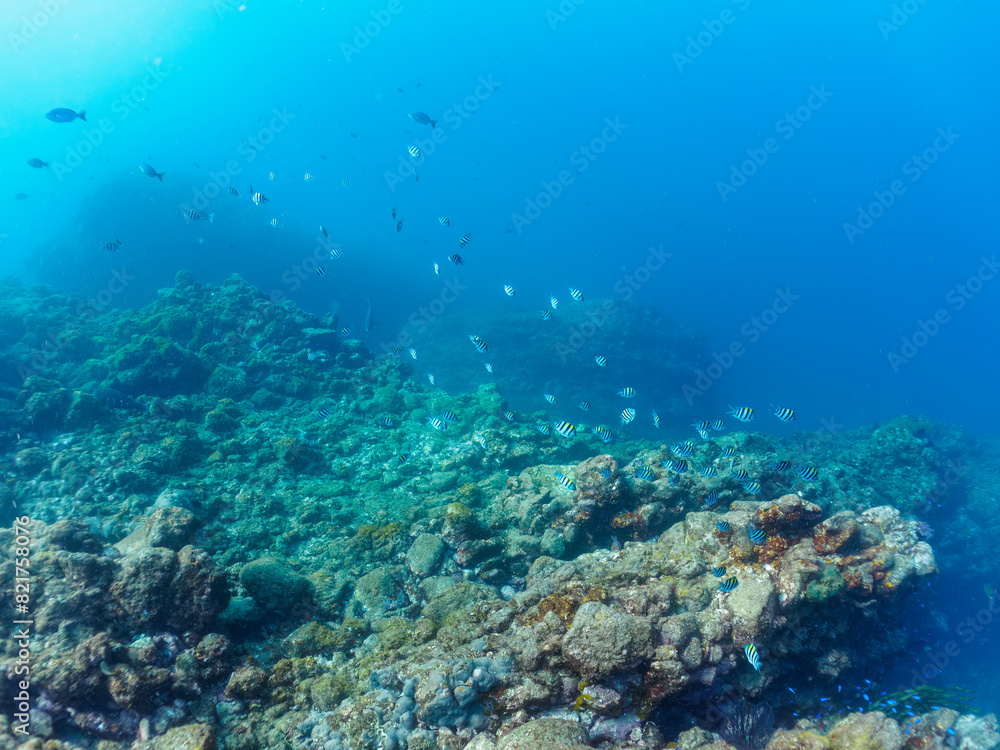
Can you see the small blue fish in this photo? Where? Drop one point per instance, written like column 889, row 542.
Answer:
column 710, row 499
column 456, row 260
column 402, row 458
column 601, row 360
column 437, row 423
column 444, row 221
column 615, row 546
column 627, row 415
column 656, row 420
column 584, row 405
column 61, row 114
column 709, row 471
column 757, row 536
column 752, row 487
column 477, row 342
column 509, row 290
column 542, row 428
column 722, row 526
column 740, row 475
column 488, row 366
column 752, row 656
column 576, row 294
column 481, row 439
column 605, row 473
column 465, row 239
column 742, row 413
column 779, row 465
column 449, row 416
column 728, row 452
column 719, row 571
column 546, row 315
column 728, row 585
column 431, row 378
column 554, row 302
column 550, row 398
column 718, row 425
column 627, row 393
column 146, row 169
column 387, row 421
column 702, row 425
column 423, row 119
column 509, row 416
column 678, row 467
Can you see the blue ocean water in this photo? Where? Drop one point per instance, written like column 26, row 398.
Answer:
column 698, row 92
column 810, row 187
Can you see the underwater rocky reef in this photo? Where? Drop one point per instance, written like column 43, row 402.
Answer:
column 247, row 533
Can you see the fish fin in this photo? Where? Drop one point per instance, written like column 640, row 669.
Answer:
column 82, row 115
column 159, row 176
column 211, row 218
column 434, row 124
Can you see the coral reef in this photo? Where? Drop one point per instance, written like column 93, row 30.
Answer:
column 245, row 533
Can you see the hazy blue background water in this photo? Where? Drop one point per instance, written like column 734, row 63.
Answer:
column 180, row 84
column 222, row 71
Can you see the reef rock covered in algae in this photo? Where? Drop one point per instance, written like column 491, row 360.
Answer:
column 261, row 539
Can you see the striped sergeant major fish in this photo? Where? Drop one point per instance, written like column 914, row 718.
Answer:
column 808, row 473
column 782, row 413
column 604, row 434
column 566, row 429
column 257, row 198
column 566, row 482
column 193, row 214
